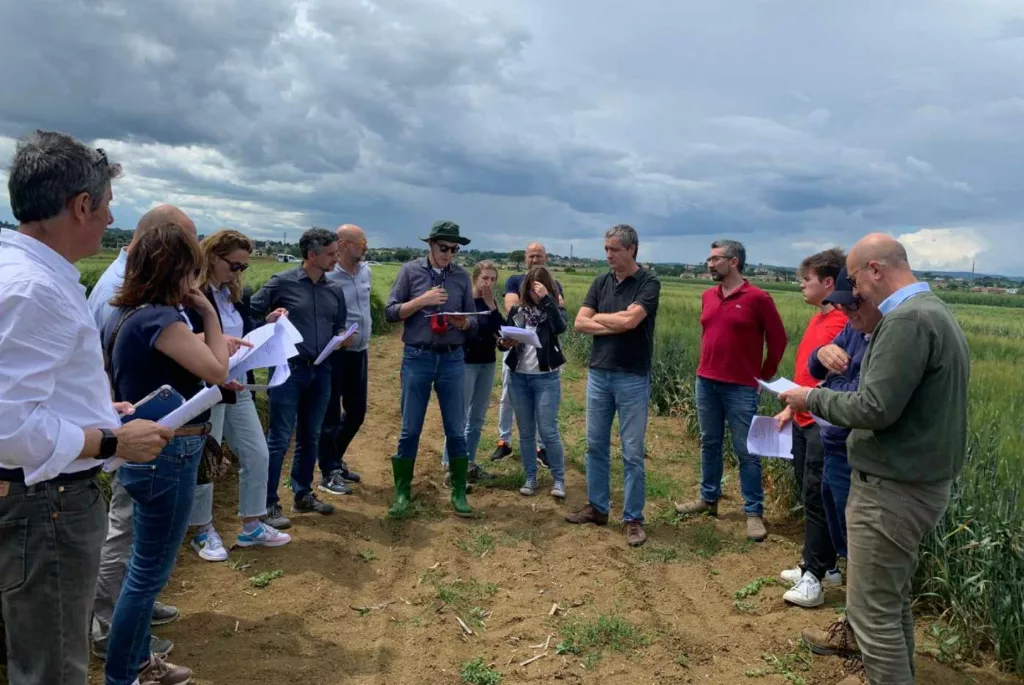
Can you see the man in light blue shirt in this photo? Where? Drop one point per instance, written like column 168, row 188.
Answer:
column 349, row 367
column 118, row 546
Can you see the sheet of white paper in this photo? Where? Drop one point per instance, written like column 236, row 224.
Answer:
column 766, row 440
column 335, row 342
column 193, row 407
column 255, row 357
column 456, row 314
column 779, row 385
column 292, row 334
column 520, row 335
column 279, row 376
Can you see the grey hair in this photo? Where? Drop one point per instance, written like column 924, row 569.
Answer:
column 316, row 239
column 733, row 249
column 49, row 169
column 626, row 235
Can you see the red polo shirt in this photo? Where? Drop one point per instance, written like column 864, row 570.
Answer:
column 821, row 330
column 736, row 329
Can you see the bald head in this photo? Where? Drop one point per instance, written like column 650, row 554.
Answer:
column 351, row 233
column 536, row 255
column 878, row 247
column 159, row 215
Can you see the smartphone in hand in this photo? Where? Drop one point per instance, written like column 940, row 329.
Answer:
column 156, row 404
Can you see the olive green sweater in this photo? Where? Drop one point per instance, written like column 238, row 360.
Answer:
column 909, row 414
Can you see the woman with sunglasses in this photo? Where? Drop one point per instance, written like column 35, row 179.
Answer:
column 226, row 254
column 149, row 345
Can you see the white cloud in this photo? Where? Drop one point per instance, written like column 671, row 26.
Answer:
column 943, row 248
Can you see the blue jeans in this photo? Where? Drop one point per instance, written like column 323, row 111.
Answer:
column 162, row 492
column 445, row 373
column 535, row 400
column 718, row 403
column 835, row 490
column 629, row 394
column 477, row 397
column 505, row 410
column 304, row 397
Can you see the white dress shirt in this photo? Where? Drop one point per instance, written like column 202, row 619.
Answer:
column 52, row 382
column 230, row 319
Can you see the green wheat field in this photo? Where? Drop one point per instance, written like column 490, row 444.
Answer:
column 972, row 566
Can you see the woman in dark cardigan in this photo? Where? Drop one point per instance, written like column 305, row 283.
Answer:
column 534, row 383
column 227, row 257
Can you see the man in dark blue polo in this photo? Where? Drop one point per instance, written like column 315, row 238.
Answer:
column 433, row 357
column 316, row 307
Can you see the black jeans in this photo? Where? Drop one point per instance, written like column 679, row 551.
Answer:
column 819, row 553
column 50, row 539
column 349, row 372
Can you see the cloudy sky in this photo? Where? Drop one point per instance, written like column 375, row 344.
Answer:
column 787, row 124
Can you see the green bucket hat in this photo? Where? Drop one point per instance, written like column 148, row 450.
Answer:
column 445, row 230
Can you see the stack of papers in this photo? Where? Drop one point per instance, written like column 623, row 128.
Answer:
column 520, row 335
column 781, row 385
column 272, row 346
column 766, row 440
column 335, row 343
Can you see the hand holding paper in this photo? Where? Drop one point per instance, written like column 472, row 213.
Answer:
column 520, row 335
column 765, row 438
column 335, row 343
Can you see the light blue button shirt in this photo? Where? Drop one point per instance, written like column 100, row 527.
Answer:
column 106, row 287
column 357, row 302
column 902, row 295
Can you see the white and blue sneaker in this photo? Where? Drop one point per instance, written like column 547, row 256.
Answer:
column 209, row 546
column 263, row 536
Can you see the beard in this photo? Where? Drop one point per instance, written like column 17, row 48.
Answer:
column 717, row 276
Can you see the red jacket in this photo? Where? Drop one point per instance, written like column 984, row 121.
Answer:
column 736, row 329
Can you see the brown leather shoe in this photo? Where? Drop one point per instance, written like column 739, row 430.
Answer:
column 697, row 506
column 635, row 535
column 755, row 529
column 588, row 514
column 838, row 640
column 159, row 672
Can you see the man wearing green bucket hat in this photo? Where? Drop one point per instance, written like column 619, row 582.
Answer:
column 433, row 358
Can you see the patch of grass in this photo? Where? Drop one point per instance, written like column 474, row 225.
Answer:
column 661, row 486
column 744, row 607
column 657, row 554
column 753, row 587
column 510, row 478
column 683, row 660
column 367, row 555
column 419, row 508
column 478, row 545
column 512, row 539
column 707, row 542
column 592, row 638
column 264, row 579
column 474, row 672
column 785, row 665
column 462, row 595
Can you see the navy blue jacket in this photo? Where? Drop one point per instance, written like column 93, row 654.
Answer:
column 854, row 344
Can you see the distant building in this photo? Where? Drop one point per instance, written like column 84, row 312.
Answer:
column 990, row 291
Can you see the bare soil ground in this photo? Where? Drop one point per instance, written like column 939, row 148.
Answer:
column 362, row 599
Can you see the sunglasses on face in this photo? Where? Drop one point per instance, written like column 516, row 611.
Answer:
column 235, row 266
column 447, row 248
column 853, row 306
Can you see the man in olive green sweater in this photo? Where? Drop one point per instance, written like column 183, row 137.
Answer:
column 909, row 439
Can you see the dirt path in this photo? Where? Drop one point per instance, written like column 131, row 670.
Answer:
column 362, row 599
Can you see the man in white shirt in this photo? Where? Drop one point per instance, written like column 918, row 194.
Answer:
column 118, row 546
column 57, row 421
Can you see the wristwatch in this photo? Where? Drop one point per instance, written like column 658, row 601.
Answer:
column 108, row 443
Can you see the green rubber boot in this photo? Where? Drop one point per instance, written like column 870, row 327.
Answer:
column 457, row 469
column 402, row 469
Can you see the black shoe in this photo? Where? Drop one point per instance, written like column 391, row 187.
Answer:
column 157, row 646
column 501, row 451
column 275, row 518
column 542, row 457
column 334, row 484
column 350, row 476
column 163, row 614
column 309, row 503
column 476, row 474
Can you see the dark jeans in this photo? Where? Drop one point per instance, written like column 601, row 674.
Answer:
column 819, row 553
column 348, row 389
column 162, row 492
column 304, row 397
column 444, row 372
column 50, row 540
column 719, row 403
column 835, row 491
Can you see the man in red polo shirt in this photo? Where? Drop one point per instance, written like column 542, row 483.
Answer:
column 818, row 275
column 738, row 320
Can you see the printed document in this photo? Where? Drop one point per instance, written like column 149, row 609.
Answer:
column 765, row 439
column 520, row 335
column 335, row 343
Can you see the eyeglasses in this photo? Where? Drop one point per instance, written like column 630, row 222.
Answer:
column 715, row 258
column 447, row 248
column 235, row 266
column 852, row 306
column 103, row 158
column 852, row 278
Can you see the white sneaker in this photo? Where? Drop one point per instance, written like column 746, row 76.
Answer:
column 529, row 488
column 807, row 593
column 558, row 489
column 263, row 536
column 209, row 546
column 792, row 576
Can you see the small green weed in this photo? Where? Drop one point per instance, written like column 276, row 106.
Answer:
column 476, row 673
column 264, row 579
column 591, row 638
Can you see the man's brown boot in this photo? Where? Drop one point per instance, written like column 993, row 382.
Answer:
column 755, row 529
column 635, row 535
column 588, row 514
column 697, row 506
column 838, row 640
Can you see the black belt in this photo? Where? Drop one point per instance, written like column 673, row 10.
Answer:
column 18, row 476
column 301, row 362
column 434, row 347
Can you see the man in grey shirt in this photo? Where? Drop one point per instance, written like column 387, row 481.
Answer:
column 349, row 367
column 316, row 307
column 433, row 357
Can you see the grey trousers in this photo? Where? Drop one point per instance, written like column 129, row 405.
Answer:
column 114, row 558
column 50, row 538
column 885, row 524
